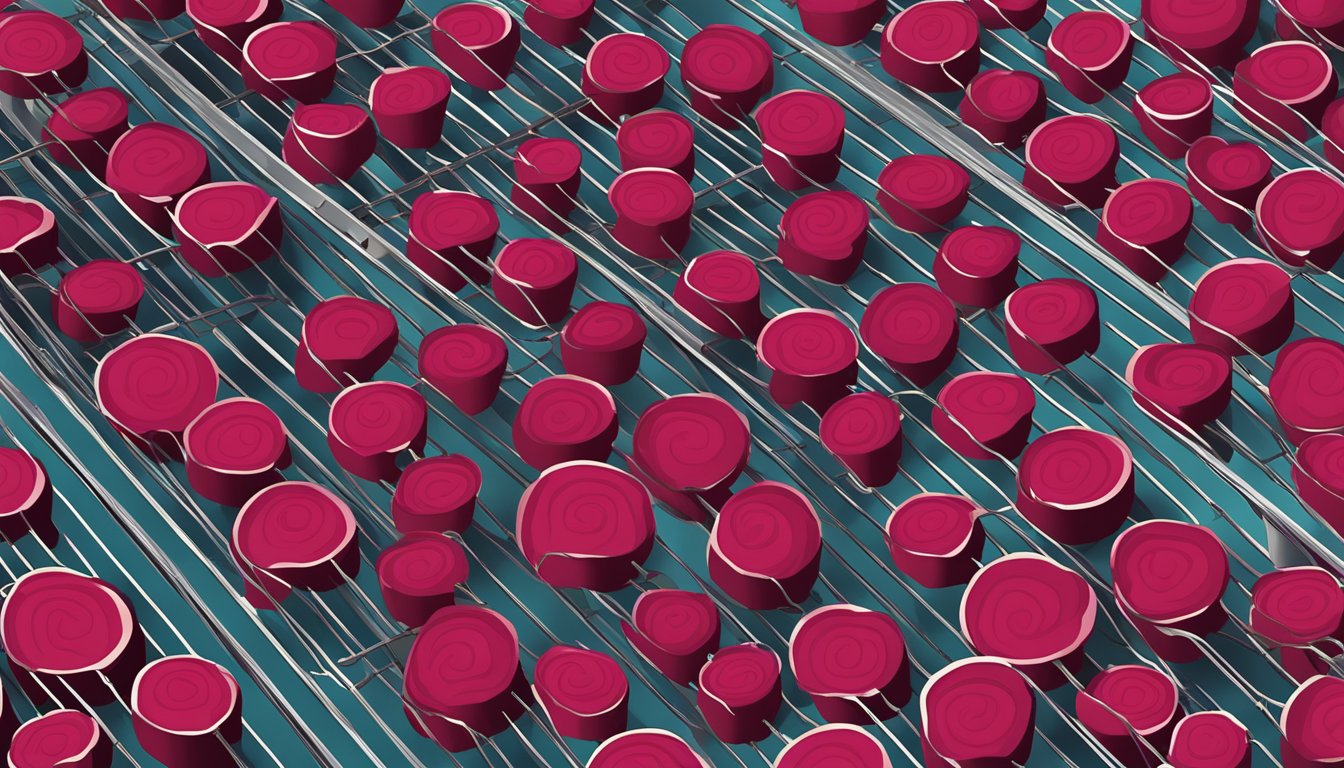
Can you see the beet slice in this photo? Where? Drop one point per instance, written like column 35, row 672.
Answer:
column 437, row 493
column 933, row 46
column 1051, row 323
column 726, row 70
column 1284, row 87
column 144, row 10
column 153, row 165
column 368, row 14
column 419, row 574
column 840, row 22
column 40, row 54
column 1174, row 111
column 852, row 662
column 1090, row 53
column 1300, row 216
column 585, row 525
column 1021, row 15
column 936, row 538
column 151, row 387
column 534, row 280
column 657, row 138
column 457, row 703
column 82, row 129
column 29, row 237
column 1299, row 611
column 328, row 143
column 1211, row 32
column 765, row 546
column 1310, row 20
column 812, row 356
column 25, row 501
column 653, row 212
column 1332, row 129
column 1306, row 388
column 1181, row 384
column 294, row 535
column 65, row 633
column 1004, row 106
column 344, row 341
column 1227, row 178
column 184, row 710
column 478, row 42
column 802, row 133
column 976, row 711
column 1076, row 484
column 675, row 631
column 291, row 60
column 233, row 449
column 64, row 737
column 985, row 414
column 823, row 234
column 922, row 193
column 689, row 450
column 1124, row 704
column 976, row 266
column 1144, row 224
column 225, row 25
column 838, row 745
column 721, row 290
column 565, row 418
column 373, row 423
column 547, row 176
column 624, row 75
column 1318, row 474
column 585, row 693
column 1243, row 306
column 739, row 693
column 96, row 299
column 604, row 342
column 863, row 431
column 559, row 22
column 645, row 748
column 1309, row 724
column 1212, row 739
column 465, row 363
column 227, row 226
column 408, row 105
column 452, row 235
column 1071, row 160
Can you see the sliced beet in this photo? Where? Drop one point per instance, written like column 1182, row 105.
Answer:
column 437, row 493
column 1306, row 388
column 96, row 299
column 1212, row 739
column 368, row 14
column 1189, row 384
column 1227, row 178
column 40, row 54
column 534, row 280
column 328, row 143
column 1299, row 611
column 29, row 237
column 559, row 22
column 863, row 431
column 840, row 22
column 1174, row 111
column 585, row 525
column 151, row 387
column 1310, row 724
column 812, row 355
column 977, row 711
column 585, row 693
column 25, row 500
column 1318, row 475
column 408, row 105
column 653, row 212
column 1319, row 22
column 645, row 748
column 922, row 193
column 624, row 75
column 452, row 235
column 1211, row 32
column 344, row 341
column 373, row 423
column 144, row 10
column 823, row 234
column 547, row 176
column 726, row 70
column 657, row 138
column 1004, row 106
column 838, row 745
column 739, row 693
column 675, row 631
column 604, row 342
column 802, row 133
column 465, row 363
column 936, row 538
column 1051, row 323
column 1284, row 87
column 985, row 414
column 721, row 290
column 1090, row 53
column 1300, row 216
column 478, row 42
column 689, row 450
column 976, row 266
column 565, row 418
column 932, row 46
column 1332, row 129
column 83, row 128
column 1076, row 484
column 227, row 226
column 1144, row 224
column 153, row 165
column 1243, row 306
column 291, row 60
column 1070, row 160
column 294, row 535
column 1131, row 710
column 186, row 710
column 233, row 449
column 64, row 737
column 419, row 574
column 224, row 25
column 765, row 546
column 852, row 662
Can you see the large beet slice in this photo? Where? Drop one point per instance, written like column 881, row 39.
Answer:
column 1300, row 217
column 1070, row 160
column 344, row 341
column 1004, row 106
column 624, row 75
column 657, row 138
column 933, row 46
column 675, row 631
column 802, row 133
column 452, row 235
column 1309, row 724
column 1181, row 384
column 83, row 128
column 1284, row 87
column 328, row 143
column 1132, row 710
column 1174, row 111
column 64, row 737
column 1243, row 306
column 1076, row 484
column 534, row 280
column 437, row 493
column 852, row 662
column 25, row 499
column 1307, row 388
column 294, row 535
column 721, row 290
column 1051, row 323
column 863, row 431
column 1009, row 14
column 1319, row 22
column 40, row 54
column 936, row 538
column 227, row 226
column 153, row 165
column 823, row 234
column 152, row 386
column 689, row 450
column 547, row 176
column 408, row 105
column 224, row 25
column 291, row 60
column 1227, row 178
column 585, row 693
column 478, row 42
column 29, row 238
column 1300, row 611
column 1318, row 474
column 653, row 209
column 419, row 574
column 559, row 22
column 1212, row 739
column 977, row 265
column 726, row 70
column 186, row 710
column 985, row 414
column 812, row 356
column 1144, row 224
column 1090, row 53
column 565, row 418
column 838, row 745
column 1211, row 32
column 922, row 193
column 839, row 23
column 604, row 342
column 98, row 298
column 373, row 423
column 465, row 363
column 739, row 692
column 233, row 449
column 765, row 546
column 977, row 711
column 645, row 748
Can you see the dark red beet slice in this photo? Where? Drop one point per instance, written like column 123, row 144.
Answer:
column 585, row 693
column 1307, row 388
column 184, row 709
column 436, row 493
column 1243, row 306
column 1174, row 111
column 29, row 237
column 645, row 748
column 823, row 234
column 478, row 42
column 40, row 54
column 801, row 136
column 1004, row 105
column 863, row 431
column 369, row 14
column 291, row 60
column 1212, row 739
column 985, row 414
column 812, row 356
column 1076, row 484
column 657, row 139
column 565, row 418
column 227, row 226
column 921, row 193
column 1300, row 216
column 151, row 166
column 64, row 737
column 675, row 631
column 688, row 450
column 739, row 693
column 1070, row 160
column 1090, row 53
column 419, row 574
column 1310, row 20
column 1310, row 724
column 1300, row 611
column 1332, row 128
column 25, row 499
column 463, row 678
column 1227, row 178
column 328, row 143
column 623, row 75
column 977, row 711
column 1125, row 704
column 373, row 423
column 839, row 22
column 837, row 745
column 225, row 25
column 765, row 547
column 97, row 299
column 1212, row 32
column 465, row 363
column 1318, row 474
column 1284, row 87
column 585, row 525
column 83, row 128
column 1189, row 384
column 604, row 342
column 233, row 449
column 721, row 290
column 546, row 180
column 1009, row 14
column 1144, row 225
column 852, row 662
column 408, row 105
column 653, row 211
column 534, row 280
column 144, row 10
column 294, row 535
column 1051, row 323
column 344, row 341
column 932, row 46
column 152, row 386
column 726, row 70
column 558, row 22
column 976, row 266
column 936, row 538
column 452, row 235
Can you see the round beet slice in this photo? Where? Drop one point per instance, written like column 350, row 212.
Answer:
column 802, row 133
column 624, row 75
column 838, row 745
column 83, row 128
column 1284, row 87
column 1318, row 474
column 1310, row 724
column 291, row 60
column 812, row 356
column 675, row 631
column 478, row 42
column 1009, row 14
column 1174, row 111
column 294, row 535
column 153, row 165
column 765, row 546
column 233, row 449
column 1307, row 388
column 645, row 748
column 985, row 414
column 933, row 46
column 152, row 386
column 936, row 538
column 1004, row 106
column 1070, row 160
column 604, row 342
column 419, row 574
column 559, row 22
column 328, row 143
column 977, row 711
column 437, row 493
column 452, row 235
column 465, row 363
column 184, row 710
column 368, row 14
column 64, row 737
column 585, row 525
column 29, row 237
column 976, row 266
column 922, row 193
column 1227, row 178
column 1243, row 306
column 653, row 212
column 373, row 423
column 1212, row 739
column 863, row 431
column 1211, row 32
column 1310, row 20
column 1128, row 703
column 25, row 499
column 1300, row 611
column 585, row 693
column 823, row 234
column 1090, row 53
column 721, row 290
column 344, row 341
column 547, row 176
column 40, row 54
column 534, row 280
column 689, row 450
column 726, row 70
column 1300, row 216
column 1051, row 323
column 1076, row 484
column 565, row 418
column 227, row 226
column 1181, row 384
column 224, row 25
column 657, row 138
column 839, row 22
column 852, row 662
column 739, row 693
column 96, row 299
column 1144, row 224
column 408, row 105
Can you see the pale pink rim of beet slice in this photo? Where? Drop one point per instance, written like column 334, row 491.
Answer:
column 667, row 749
column 943, row 547
column 1116, row 717
column 1315, row 748
column 481, row 683
column 281, row 558
column 98, row 652
column 836, row 742
column 1163, row 385
column 1094, row 496
column 1303, row 409
column 1045, row 344
column 192, row 395
column 215, row 706
column 792, row 515
column 812, row 665
column 266, row 455
column 1280, row 614
column 45, row 223
column 785, row 135
column 229, row 233
column 393, row 437
column 654, row 60
column 1280, row 213
column 1168, row 597
column 70, row 722
column 773, row 350
column 1010, row 732
column 1159, row 101
column 59, row 64
column 180, row 162
column 321, row 56
column 711, row 465
column 1226, row 742
column 554, row 684
column 1084, row 621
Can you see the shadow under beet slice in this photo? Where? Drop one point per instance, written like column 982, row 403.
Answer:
column 371, row 424
column 1226, row 178
column 721, row 290
column 152, row 386
column 1318, row 474
column 1129, row 701
column 932, row 46
column 83, row 128
column 436, row 493
column 185, row 709
column 645, row 748
column 29, row 238
column 812, row 355
column 477, row 42
column 1300, row 217
column 294, row 535
column 936, row 539
column 1051, row 323
column 64, row 737
column 852, row 662
column 1212, row 32
column 585, row 693
column 224, row 25
column 153, row 165
column 1284, row 87
column 565, row 418
column 802, row 133
column 1211, row 739
column 739, row 693
column 838, row 745
column 344, row 341
column 765, row 546
column 658, row 138
column 689, row 450
column 291, row 60
column 1003, row 106
column 40, row 54
column 985, row 414
column 863, row 431
column 419, row 574
column 328, row 143
column 674, row 630
column 603, row 341
column 1299, row 611
column 1309, row 738
column 1090, row 52
column 408, row 105
column 823, row 234
column 25, row 499
column 1243, row 306
column 1181, row 384
column 726, row 70
column 227, row 226
column 1071, row 160
column 624, row 74
column 465, row 363
column 1306, row 388
column 452, row 235
column 233, row 449
column 977, row 711
column 1144, row 224
column 1076, row 484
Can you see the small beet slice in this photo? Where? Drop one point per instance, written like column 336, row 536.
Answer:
column 1243, row 306
column 224, row 25
column 739, row 693
column 291, row 60
column 985, row 414
column 227, row 226
column 1076, row 484
column 559, row 22
column 863, row 431
column 812, row 355
column 802, row 133
column 726, row 70
column 1227, row 178
column 933, row 46
column 328, row 143
column 976, row 266
column 96, row 299
column 1189, row 384
column 838, row 745
column 534, row 280
column 83, row 128
column 936, row 538
column 1144, row 224
column 419, row 574
column 645, row 748
column 1211, row 739
column 294, row 535
column 1284, row 87
column 585, row 693
column 152, row 386
column 1004, row 106
column 1125, row 705
column 408, row 105
column 1009, row 14
column 657, row 138
column 1299, row 611
column 1300, row 216
column 604, row 342
column 624, row 75
column 1211, row 32
column 465, row 363
column 1174, row 111
column 29, row 237
column 689, row 450
column 478, row 42
column 922, row 193
column 437, row 493
column 452, row 235
column 653, row 212
column 1311, row 20
column 977, row 711
column 1090, row 53
column 1070, row 160
column 852, row 662
column 25, row 499
column 1318, row 475
column 675, row 631
column 765, row 546
column 40, row 54
column 186, row 710
column 373, row 423
column 565, row 418
column 1306, row 388
column 344, row 341
column 547, row 176
column 839, row 22
column 1309, row 724
column 153, row 165
column 64, row 737
column 823, row 234
column 721, row 290
column 1051, row 323
column 233, row 449
column 368, row 14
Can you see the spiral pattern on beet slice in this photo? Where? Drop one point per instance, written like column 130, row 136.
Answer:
column 408, row 105
column 645, row 748
column 812, row 354
column 227, row 226
column 1212, row 739
column 657, row 138
column 98, row 298
column 623, row 74
column 921, row 193
column 155, row 160
column 1167, row 571
column 1297, row 606
column 1144, row 224
column 932, row 46
column 466, row 363
column 25, row 500
column 1307, row 388
column 1071, row 160
column 1174, row 111
column 436, row 493
column 1051, row 323
column 1212, row 32
column 977, row 265
column 802, row 133
column 236, row 443
column 60, row 737
column 1090, row 52
column 936, row 538
column 977, row 709
column 565, row 418
column 653, row 211
column 1076, row 484
column 765, row 546
column 1130, row 700
column 1004, row 105
column 985, row 414
column 419, row 574
column 823, row 234
column 863, row 431
column 603, row 341
column 40, row 53
column 1284, row 87
column 372, row 422
column 84, row 127
column 721, row 290
column 914, row 327
column 726, row 69
column 1243, row 306
column 852, row 662
column 534, row 279
column 1309, row 722
column 291, row 59
column 1300, row 215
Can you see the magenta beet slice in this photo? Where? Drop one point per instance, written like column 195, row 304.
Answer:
column 153, row 165
column 721, row 290
column 1009, row 14
column 624, row 75
column 604, row 342
column 688, row 450
column 1310, row 724
column 1332, row 129
column 151, row 387
column 1181, row 384
column 452, row 235
column 765, row 546
column 985, row 414
column 802, row 133
column 863, row 431
column 291, row 60
column 328, row 143
column 419, row 574
column 465, row 363
column 1004, row 106
column 294, row 535
column 29, row 237
column 585, row 693
column 478, row 42
column 675, row 631
column 1051, row 323
column 921, row 193
column 739, row 693
column 344, row 341
column 1300, row 216
column 227, row 226
column 976, row 266
column 96, row 299
column 83, row 128
column 1212, row 739
column 1284, row 87
column 1090, row 53
column 657, row 138
column 936, row 538
column 64, row 737
column 914, row 328
column 1307, row 388
column 565, row 418
column 1227, row 178
column 1310, row 20
column 373, row 423
column 1300, row 611
column 546, row 180
column 437, row 493
column 408, row 105
column 933, row 46
column 852, row 662
column 585, row 525
column 1076, row 484
column 40, row 54
column 1318, row 474
column 369, row 14
column 1070, row 160
column 559, row 22
column 645, row 748
column 233, row 449
column 1174, row 111
column 823, row 234
column 839, row 22
column 184, row 710
column 1126, row 703
column 838, row 745
column 1144, row 224
column 977, row 711
column 25, row 498
column 726, row 70
column 1211, row 32
column 653, row 211
column 225, row 25
column 812, row 356
column 534, row 280
column 1243, row 306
